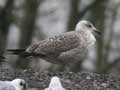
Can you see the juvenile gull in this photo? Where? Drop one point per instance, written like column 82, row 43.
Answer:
column 16, row 84
column 69, row 48
column 55, row 84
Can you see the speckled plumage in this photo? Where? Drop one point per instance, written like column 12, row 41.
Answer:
column 63, row 48
column 68, row 48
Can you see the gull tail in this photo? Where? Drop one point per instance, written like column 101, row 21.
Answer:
column 15, row 51
column 2, row 58
column 20, row 52
column 23, row 53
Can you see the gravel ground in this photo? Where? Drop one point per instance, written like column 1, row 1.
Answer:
column 70, row 80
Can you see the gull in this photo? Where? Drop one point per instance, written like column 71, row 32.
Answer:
column 55, row 84
column 69, row 48
column 16, row 84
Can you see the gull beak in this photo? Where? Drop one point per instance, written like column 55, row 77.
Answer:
column 25, row 86
column 96, row 32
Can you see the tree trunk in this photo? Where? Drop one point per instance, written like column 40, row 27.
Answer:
column 27, row 29
column 73, row 18
column 5, row 21
column 98, row 16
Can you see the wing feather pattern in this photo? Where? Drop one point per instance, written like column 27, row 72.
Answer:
column 56, row 44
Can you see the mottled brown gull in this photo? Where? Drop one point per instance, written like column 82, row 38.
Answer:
column 69, row 48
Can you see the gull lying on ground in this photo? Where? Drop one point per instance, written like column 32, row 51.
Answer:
column 16, row 84
column 55, row 84
column 68, row 49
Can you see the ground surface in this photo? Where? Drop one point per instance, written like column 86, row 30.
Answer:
column 78, row 81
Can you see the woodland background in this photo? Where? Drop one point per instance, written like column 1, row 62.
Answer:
column 23, row 22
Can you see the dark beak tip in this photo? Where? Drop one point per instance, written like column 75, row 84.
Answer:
column 98, row 32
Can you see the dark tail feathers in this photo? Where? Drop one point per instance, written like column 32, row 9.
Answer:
column 15, row 51
column 23, row 53
column 20, row 52
column 2, row 59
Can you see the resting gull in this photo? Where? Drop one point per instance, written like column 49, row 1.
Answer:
column 16, row 84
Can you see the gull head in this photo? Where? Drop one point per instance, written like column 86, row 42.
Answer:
column 55, row 84
column 86, row 25
column 19, row 84
column 55, row 81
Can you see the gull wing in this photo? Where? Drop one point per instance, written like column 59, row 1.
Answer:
column 56, row 44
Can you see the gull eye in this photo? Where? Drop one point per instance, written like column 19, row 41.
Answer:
column 21, row 84
column 90, row 26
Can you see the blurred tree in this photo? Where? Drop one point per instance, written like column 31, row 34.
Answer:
column 27, row 28
column 108, row 43
column 73, row 15
column 5, row 21
column 99, row 19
